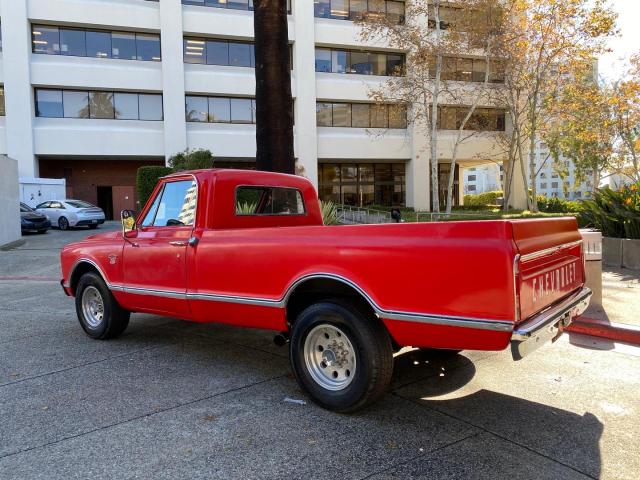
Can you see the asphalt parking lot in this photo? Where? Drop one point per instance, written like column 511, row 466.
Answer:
column 171, row 399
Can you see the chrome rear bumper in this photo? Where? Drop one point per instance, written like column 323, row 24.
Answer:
column 548, row 324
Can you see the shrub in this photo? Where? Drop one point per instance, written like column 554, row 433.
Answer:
column 146, row 180
column 557, row 205
column 616, row 213
column 329, row 213
column 191, row 160
column 483, row 199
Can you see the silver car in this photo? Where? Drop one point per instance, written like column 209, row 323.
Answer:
column 72, row 213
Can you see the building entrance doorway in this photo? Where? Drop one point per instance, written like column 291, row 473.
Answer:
column 105, row 201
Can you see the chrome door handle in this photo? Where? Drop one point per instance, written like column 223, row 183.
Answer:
column 178, row 244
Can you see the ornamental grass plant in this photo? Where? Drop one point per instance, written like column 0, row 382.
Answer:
column 616, row 213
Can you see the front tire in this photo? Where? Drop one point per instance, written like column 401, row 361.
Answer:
column 63, row 223
column 341, row 355
column 93, row 227
column 99, row 314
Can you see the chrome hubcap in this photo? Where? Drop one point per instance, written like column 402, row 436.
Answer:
column 92, row 306
column 330, row 357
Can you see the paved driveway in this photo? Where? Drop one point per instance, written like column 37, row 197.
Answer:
column 171, row 399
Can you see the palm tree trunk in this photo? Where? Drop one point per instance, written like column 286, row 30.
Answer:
column 274, row 104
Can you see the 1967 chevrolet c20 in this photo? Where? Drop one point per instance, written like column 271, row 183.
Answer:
column 250, row 249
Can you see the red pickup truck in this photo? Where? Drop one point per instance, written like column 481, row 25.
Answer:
column 250, row 249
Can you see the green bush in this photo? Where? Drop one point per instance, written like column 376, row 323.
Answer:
column 191, row 160
column 146, row 180
column 329, row 213
column 483, row 199
column 616, row 213
column 557, row 205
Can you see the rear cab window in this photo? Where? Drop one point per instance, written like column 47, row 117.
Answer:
column 252, row 200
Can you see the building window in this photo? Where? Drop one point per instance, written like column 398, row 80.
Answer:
column 468, row 70
column 358, row 62
column 230, row 4
column 483, row 119
column 449, row 15
column 554, row 184
column 220, row 109
column 2, row 110
column 358, row 9
column 98, row 104
column 361, row 115
column 543, row 186
column 81, row 42
column 471, row 188
column 221, row 52
column 471, row 178
column 362, row 184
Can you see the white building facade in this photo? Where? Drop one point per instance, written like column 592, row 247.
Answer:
column 94, row 89
column 559, row 181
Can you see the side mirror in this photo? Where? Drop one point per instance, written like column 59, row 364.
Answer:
column 128, row 220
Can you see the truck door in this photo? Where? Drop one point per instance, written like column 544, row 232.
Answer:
column 155, row 276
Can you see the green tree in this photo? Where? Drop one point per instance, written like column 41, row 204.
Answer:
column 191, row 160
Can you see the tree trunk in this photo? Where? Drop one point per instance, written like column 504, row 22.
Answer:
column 274, row 104
column 433, row 140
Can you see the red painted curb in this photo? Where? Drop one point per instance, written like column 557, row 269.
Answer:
column 618, row 332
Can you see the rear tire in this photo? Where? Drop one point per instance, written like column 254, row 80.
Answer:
column 341, row 355
column 99, row 314
column 63, row 223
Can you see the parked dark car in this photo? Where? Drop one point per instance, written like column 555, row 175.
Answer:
column 32, row 221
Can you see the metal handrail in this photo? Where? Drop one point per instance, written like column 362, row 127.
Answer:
column 362, row 215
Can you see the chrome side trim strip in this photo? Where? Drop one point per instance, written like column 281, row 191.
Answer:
column 495, row 325
column 548, row 251
column 432, row 319
column 154, row 292
column 210, row 297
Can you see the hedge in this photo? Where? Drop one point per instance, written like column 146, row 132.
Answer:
column 146, row 180
column 483, row 199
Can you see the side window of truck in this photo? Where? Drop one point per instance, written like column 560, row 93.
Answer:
column 258, row 200
column 174, row 206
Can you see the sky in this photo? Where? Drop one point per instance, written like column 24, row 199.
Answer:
column 613, row 64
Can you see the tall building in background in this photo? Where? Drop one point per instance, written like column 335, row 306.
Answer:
column 550, row 183
column 92, row 90
column 484, row 178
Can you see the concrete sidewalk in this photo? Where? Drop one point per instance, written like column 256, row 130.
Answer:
column 172, row 399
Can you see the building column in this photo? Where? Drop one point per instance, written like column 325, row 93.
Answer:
column 306, row 142
column 518, row 195
column 175, row 125
column 18, row 94
column 418, row 170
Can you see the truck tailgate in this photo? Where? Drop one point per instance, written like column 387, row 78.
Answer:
column 550, row 265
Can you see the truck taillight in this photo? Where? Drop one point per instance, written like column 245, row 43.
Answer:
column 516, row 287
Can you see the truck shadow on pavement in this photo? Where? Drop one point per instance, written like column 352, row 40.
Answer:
column 441, row 382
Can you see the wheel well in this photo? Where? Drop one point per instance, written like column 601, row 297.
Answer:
column 79, row 270
column 317, row 289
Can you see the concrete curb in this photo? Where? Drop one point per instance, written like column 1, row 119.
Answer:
column 11, row 245
column 618, row 332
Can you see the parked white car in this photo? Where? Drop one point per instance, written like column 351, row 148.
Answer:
column 71, row 213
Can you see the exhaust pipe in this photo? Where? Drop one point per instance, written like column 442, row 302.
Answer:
column 281, row 339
